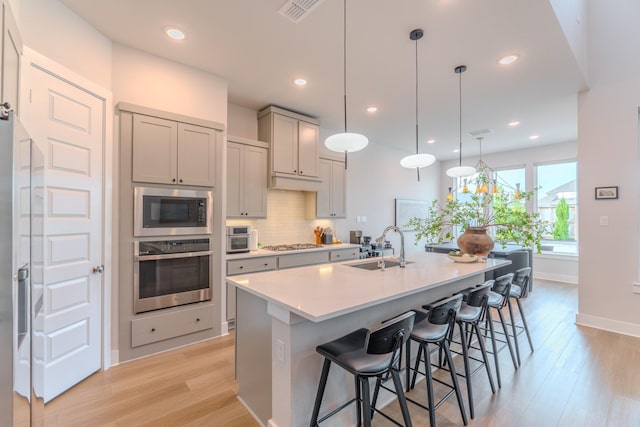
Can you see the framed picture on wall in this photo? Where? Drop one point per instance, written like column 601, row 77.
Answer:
column 407, row 209
column 606, row 192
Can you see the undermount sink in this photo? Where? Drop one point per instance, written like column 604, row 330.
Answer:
column 373, row 265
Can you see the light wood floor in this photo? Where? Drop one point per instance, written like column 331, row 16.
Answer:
column 576, row 377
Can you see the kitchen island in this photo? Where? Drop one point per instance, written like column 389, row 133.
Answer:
column 281, row 317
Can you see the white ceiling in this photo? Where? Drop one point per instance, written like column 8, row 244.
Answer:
column 259, row 52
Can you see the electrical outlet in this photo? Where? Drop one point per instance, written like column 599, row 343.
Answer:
column 280, row 350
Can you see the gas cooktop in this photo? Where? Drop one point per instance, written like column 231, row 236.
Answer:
column 291, row 247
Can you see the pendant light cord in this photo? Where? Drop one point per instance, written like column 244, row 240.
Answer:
column 344, row 63
column 416, row 96
column 460, row 119
column 417, row 169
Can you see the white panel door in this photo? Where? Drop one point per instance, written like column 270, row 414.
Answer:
column 68, row 124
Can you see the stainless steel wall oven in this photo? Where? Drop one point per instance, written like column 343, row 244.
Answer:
column 168, row 273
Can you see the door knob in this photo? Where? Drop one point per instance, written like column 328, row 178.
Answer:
column 97, row 269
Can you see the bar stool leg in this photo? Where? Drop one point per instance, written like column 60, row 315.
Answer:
column 467, row 369
column 515, row 331
column 485, row 358
column 403, row 401
column 320, row 393
column 366, row 398
column 506, row 338
column 427, row 368
column 454, row 379
column 408, row 366
column 358, row 403
column 421, row 350
column 494, row 345
column 524, row 323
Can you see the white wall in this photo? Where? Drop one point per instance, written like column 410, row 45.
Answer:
column 50, row 28
column 608, row 155
column 374, row 180
column 242, row 121
column 144, row 79
column 572, row 16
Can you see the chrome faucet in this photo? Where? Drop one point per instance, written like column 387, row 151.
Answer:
column 381, row 239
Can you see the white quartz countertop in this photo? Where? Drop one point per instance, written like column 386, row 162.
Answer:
column 323, row 291
column 264, row 252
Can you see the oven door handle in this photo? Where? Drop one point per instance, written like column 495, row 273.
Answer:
column 171, row 256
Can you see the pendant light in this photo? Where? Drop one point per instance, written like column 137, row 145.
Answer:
column 345, row 142
column 417, row 160
column 484, row 172
column 460, row 170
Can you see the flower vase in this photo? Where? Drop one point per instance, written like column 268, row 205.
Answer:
column 476, row 241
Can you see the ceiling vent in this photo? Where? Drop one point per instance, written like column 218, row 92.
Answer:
column 480, row 132
column 296, row 10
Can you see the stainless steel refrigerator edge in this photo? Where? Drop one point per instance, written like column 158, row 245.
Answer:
column 19, row 405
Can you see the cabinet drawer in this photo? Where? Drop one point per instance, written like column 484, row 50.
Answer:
column 297, row 260
column 345, row 254
column 164, row 326
column 243, row 266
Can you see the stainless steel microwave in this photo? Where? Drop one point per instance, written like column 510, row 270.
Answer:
column 171, row 212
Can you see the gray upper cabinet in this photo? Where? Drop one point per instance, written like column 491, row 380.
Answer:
column 170, row 152
column 330, row 199
column 293, row 140
column 246, row 179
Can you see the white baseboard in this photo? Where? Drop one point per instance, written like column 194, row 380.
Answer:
column 556, row 277
column 253, row 414
column 224, row 328
column 616, row 326
column 115, row 359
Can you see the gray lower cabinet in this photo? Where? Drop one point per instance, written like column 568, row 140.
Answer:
column 162, row 326
column 244, row 266
column 301, row 259
column 344, row 254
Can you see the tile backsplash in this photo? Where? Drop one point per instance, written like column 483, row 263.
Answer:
column 286, row 221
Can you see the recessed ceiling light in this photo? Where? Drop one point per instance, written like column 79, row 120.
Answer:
column 514, row 123
column 372, row 109
column 509, row 59
column 431, row 141
column 534, row 137
column 175, row 33
column 300, row 82
column 457, row 150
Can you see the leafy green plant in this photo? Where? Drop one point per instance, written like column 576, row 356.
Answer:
column 503, row 211
column 561, row 225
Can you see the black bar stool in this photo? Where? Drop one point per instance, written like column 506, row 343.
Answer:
column 519, row 289
column 498, row 299
column 472, row 311
column 434, row 327
column 367, row 354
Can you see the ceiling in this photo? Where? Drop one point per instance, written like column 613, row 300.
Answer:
column 259, row 52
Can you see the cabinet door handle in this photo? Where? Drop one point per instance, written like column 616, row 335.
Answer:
column 197, row 319
column 301, row 172
column 241, row 267
column 153, row 329
column 180, row 180
column 173, row 180
column 295, row 171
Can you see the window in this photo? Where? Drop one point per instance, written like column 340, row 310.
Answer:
column 557, row 203
column 511, row 178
